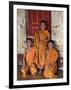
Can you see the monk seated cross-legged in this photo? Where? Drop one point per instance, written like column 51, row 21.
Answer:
column 50, row 68
column 29, row 55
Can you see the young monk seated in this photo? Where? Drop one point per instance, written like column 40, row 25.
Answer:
column 50, row 68
column 28, row 56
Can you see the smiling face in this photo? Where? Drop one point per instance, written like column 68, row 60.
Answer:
column 43, row 26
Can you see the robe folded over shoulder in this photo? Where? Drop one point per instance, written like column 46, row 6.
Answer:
column 40, row 43
column 29, row 56
column 29, row 59
column 51, row 63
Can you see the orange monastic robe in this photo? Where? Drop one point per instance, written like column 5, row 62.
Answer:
column 51, row 63
column 40, row 43
column 29, row 56
column 29, row 59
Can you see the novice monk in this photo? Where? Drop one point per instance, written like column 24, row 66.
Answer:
column 40, row 42
column 50, row 69
column 29, row 56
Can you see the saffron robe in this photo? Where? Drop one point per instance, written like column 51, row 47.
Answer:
column 51, row 63
column 40, row 43
column 29, row 59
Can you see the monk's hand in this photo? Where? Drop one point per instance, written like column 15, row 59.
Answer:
column 41, row 66
column 49, row 66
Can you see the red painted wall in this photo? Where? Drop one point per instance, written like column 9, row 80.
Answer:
column 34, row 18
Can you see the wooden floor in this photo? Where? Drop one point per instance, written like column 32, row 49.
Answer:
column 31, row 77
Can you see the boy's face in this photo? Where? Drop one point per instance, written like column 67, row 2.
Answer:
column 50, row 45
column 29, row 43
column 43, row 26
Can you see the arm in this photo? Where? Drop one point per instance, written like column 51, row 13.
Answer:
column 51, row 59
column 47, row 33
column 54, row 58
column 36, row 40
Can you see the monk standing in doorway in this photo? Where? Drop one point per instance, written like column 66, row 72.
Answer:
column 40, row 43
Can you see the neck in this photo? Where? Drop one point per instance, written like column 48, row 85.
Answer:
column 51, row 48
column 42, row 29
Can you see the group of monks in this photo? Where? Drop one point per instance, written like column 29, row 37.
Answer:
column 40, row 58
